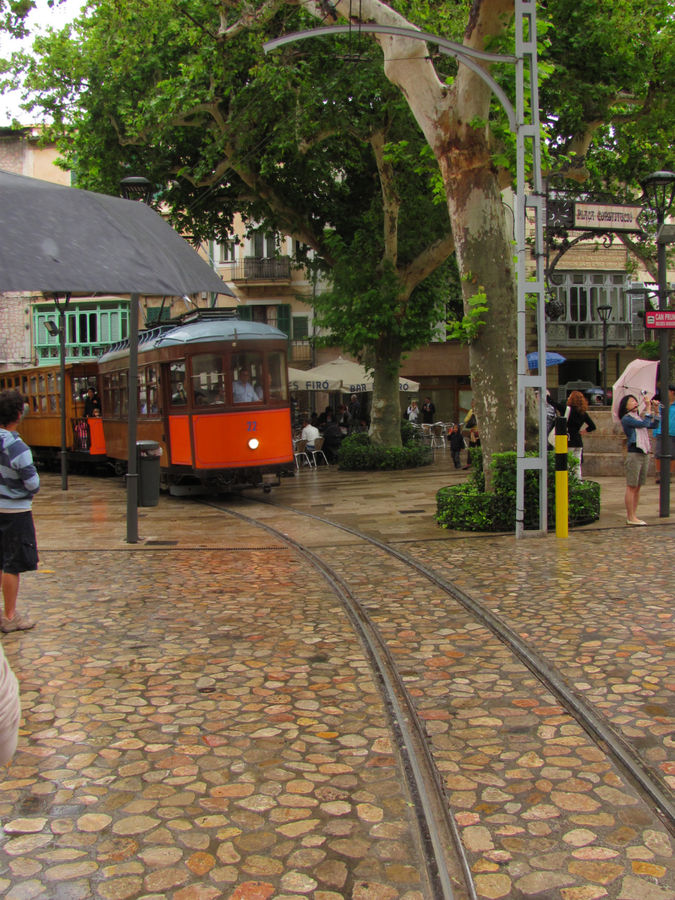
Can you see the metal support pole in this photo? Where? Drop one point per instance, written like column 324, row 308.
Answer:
column 62, row 373
column 132, row 386
column 664, row 383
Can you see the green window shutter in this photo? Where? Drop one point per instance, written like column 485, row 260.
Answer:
column 245, row 313
column 284, row 318
column 300, row 328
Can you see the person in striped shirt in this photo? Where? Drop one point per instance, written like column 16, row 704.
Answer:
column 19, row 482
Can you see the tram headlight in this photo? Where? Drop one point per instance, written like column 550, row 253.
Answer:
column 254, row 443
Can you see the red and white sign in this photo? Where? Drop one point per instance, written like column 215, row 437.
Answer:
column 661, row 318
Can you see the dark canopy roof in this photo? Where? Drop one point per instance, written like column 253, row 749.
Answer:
column 59, row 239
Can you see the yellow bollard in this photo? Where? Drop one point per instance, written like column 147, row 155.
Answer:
column 561, row 479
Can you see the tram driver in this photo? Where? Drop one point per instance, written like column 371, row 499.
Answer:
column 242, row 389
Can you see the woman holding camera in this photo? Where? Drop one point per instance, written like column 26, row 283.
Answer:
column 636, row 428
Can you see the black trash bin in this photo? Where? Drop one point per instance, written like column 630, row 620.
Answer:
column 148, row 454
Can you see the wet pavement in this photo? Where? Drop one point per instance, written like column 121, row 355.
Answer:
column 199, row 722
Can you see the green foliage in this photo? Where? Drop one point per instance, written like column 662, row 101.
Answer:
column 468, row 327
column 358, row 454
column 466, row 507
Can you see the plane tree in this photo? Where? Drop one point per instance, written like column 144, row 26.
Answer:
column 326, row 153
column 607, row 102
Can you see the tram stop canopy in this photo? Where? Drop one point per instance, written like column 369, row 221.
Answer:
column 60, row 240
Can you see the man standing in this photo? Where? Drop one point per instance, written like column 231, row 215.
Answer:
column 428, row 411
column 19, row 481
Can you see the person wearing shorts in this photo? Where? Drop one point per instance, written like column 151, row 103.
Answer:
column 19, row 482
column 636, row 428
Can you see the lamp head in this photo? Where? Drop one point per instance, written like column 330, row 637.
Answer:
column 659, row 191
column 136, row 187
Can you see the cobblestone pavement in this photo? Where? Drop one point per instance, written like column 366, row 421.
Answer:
column 199, row 722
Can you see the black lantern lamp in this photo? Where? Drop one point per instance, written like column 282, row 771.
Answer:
column 136, row 187
column 605, row 313
column 659, row 193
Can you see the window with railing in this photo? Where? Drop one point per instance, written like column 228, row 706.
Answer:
column 89, row 329
column 580, row 294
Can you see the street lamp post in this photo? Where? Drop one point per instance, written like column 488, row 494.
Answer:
column 60, row 331
column 605, row 313
column 133, row 187
column 659, row 192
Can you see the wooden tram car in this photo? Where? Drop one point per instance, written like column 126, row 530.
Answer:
column 212, row 392
column 41, row 423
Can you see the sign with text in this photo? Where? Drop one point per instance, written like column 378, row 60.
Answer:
column 661, row 318
column 606, row 217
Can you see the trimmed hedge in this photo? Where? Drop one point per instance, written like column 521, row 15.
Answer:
column 466, row 507
column 358, row 454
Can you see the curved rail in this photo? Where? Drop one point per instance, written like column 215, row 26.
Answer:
column 595, row 725
column 437, row 827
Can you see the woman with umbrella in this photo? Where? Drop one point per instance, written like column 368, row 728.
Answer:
column 636, row 428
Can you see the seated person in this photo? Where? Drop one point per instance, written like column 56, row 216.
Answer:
column 309, row 433
column 332, row 438
column 242, row 389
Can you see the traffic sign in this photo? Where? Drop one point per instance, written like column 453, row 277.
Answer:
column 660, row 318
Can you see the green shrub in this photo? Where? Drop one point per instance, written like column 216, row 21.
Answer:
column 358, row 454
column 466, row 507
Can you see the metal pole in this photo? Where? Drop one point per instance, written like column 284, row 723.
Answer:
column 664, row 382
column 604, row 361
column 62, row 371
column 132, row 387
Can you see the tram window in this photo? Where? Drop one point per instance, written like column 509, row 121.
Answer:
column 124, row 394
column 207, row 379
column 147, row 390
column 276, row 366
column 247, row 378
column 142, row 393
column 177, row 383
column 112, row 392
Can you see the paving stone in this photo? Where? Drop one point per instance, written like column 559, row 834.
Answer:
column 202, row 723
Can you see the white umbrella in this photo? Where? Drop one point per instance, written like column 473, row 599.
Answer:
column 299, row 380
column 638, row 378
column 346, row 376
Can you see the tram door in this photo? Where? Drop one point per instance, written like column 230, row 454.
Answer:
column 174, row 381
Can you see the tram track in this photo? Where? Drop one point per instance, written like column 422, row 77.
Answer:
column 643, row 779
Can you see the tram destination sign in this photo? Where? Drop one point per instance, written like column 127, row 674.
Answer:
column 606, row 217
column 660, row 318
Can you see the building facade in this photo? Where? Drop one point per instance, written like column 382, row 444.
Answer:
column 269, row 288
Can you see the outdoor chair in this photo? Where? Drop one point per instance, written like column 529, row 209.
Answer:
column 300, row 452
column 438, row 435
column 318, row 451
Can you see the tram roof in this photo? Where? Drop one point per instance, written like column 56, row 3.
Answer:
column 199, row 327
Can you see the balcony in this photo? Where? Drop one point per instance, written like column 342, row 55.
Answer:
column 589, row 334
column 251, row 269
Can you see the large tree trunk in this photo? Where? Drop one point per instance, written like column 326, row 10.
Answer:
column 385, row 417
column 485, row 254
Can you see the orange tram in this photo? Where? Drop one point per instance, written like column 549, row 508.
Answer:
column 212, row 392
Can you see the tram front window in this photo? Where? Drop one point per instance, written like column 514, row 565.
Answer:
column 276, row 365
column 177, row 383
column 208, row 386
column 247, row 385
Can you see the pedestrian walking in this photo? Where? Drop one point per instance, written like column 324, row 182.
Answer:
column 456, row 440
column 19, row 482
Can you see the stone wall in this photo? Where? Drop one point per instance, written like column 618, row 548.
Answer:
column 15, row 330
